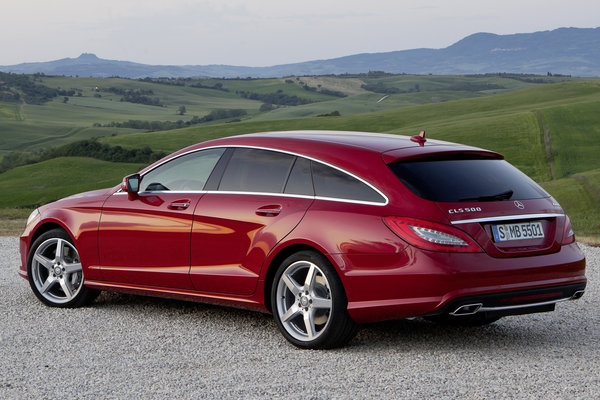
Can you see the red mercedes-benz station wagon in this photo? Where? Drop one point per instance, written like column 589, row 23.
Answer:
column 326, row 230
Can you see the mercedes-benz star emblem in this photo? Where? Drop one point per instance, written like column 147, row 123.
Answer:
column 519, row 205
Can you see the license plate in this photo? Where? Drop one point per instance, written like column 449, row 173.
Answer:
column 520, row 231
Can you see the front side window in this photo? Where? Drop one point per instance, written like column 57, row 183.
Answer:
column 256, row 170
column 186, row 173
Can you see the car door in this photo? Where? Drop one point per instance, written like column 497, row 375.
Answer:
column 260, row 198
column 146, row 240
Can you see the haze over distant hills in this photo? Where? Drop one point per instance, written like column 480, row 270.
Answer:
column 569, row 51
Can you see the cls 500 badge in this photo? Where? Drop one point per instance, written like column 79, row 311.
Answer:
column 464, row 210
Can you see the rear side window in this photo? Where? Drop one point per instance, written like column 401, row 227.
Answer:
column 300, row 180
column 333, row 183
column 466, row 180
column 256, row 170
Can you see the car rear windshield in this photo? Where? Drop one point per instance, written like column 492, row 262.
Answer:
column 466, row 180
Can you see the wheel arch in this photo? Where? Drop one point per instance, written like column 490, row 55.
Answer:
column 45, row 227
column 277, row 257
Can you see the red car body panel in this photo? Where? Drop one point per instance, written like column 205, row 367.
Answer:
column 224, row 247
column 231, row 238
column 146, row 240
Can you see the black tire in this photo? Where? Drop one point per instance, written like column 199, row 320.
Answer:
column 57, row 279
column 479, row 319
column 311, row 313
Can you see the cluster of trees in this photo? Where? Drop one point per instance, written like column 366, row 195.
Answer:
column 190, row 82
column 331, row 114
column 16, row 159
column 14, row 87
column 380, row 87
column 124, row 92
column 70, row 93
column 318, row 89
column 146, row 125
column 322, row 90
column 93, row 148
column 84, row 148
column 216, row 86
column 529, row 78
column 279, row 98
column 377, row 74
column 165, row 81
column 221, row 114
column 139, row 96
column 8, row 95
column 169, row 125
column 141, row 99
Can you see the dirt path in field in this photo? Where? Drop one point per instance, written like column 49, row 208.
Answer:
column 547, row 143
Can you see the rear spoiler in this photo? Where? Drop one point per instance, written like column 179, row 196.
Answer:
column 438, row 152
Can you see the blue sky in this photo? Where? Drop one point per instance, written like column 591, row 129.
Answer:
column 263, row 32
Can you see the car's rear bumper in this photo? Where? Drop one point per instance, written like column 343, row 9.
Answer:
column 429, row 283
column 513, row 303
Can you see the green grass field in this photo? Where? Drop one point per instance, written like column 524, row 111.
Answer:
column 506, row 120
column 580, row 197
column 32, row 185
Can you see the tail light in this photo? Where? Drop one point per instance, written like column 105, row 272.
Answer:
column 431, row 235
column 568, row 234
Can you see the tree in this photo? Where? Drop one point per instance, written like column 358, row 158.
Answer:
column 181, row 110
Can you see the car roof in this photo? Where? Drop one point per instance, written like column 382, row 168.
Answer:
column 322, row 143
column 378, row 142
column 352, row 151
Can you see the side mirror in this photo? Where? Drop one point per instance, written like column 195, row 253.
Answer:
column 131, row 185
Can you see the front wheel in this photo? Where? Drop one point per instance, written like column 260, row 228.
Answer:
column 55, row 271
column 309, row 303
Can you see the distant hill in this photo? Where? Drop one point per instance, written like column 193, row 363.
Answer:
column 568, row 51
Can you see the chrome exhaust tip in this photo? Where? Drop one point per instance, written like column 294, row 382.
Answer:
column 577, row 295
column 467, row 309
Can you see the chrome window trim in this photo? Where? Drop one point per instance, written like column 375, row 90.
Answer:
column 298, row 196
column 387, row 201
column 507, row 218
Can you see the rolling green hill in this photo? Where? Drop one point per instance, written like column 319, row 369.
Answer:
column 551, row 132
column 580, row 197
column 32, row 185
column 87, row 105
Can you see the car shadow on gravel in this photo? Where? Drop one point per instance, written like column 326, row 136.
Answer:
column 400, row 335
column 159, row 308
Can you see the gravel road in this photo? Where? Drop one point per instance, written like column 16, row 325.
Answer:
column 125, row 347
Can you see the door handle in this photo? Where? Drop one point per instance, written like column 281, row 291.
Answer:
column 179, row 205
column 269, row 211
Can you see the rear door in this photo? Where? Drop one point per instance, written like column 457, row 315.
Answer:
column 261, row 196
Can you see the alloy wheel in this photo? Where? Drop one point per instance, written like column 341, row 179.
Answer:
column 304, row 302
column 56, row 271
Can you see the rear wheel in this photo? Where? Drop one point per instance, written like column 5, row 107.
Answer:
column 309, row 303
column 55, row 271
